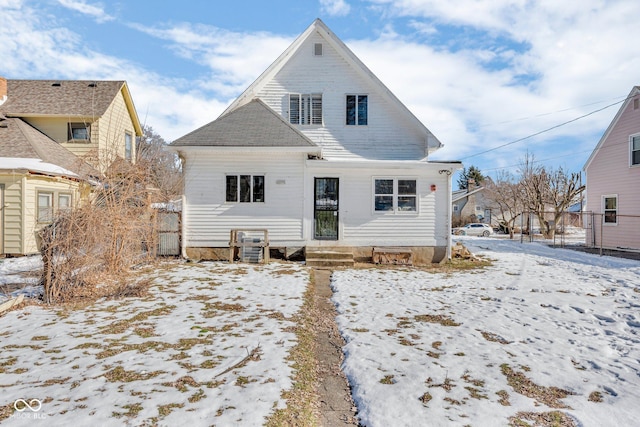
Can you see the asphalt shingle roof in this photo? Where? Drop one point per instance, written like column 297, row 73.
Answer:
column 251, row 125
column 85, row 98
column 20, row 140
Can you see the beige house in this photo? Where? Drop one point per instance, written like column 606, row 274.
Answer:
column 55, row 136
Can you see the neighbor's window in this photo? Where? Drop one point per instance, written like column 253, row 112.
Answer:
column 610, row 209
column 357, row 110
column 245, row 188
column 305, row 109
column 128, row 145
column 64, row 202
column 395, row 195
column 635, row 150
column 45, row 207
column 80, row 132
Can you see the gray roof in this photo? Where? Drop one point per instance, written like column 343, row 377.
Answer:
column 85, row 98
column 251, row 125
column 18, row 139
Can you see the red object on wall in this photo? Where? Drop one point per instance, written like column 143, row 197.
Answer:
column 433, row 187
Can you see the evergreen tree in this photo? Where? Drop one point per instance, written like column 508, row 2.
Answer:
column 473, row 173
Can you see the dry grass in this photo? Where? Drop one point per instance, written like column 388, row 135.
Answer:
column 436, row 318
column 490, row 336
column 542, row 419
column 549, row 396
column 302, row 399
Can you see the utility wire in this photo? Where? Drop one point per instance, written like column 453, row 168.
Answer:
column 544, row 131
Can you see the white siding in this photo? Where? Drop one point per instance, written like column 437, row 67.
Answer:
column 209, row 218
column 360, row 225
column 389, row 134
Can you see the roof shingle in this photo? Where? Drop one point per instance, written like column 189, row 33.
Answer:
column 84, row 98
column 251, row 125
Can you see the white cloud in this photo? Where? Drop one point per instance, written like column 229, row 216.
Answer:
column 335, row 7
column 96, row 11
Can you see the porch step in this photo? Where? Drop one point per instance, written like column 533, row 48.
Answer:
column 329, row 257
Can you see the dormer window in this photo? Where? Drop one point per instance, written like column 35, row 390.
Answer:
column 305, row 109
column 79, row 132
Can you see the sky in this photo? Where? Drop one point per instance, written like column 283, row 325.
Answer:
column 494, row 80
column 473, row 346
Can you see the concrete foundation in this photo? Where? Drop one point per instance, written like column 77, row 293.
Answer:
column 421, row 255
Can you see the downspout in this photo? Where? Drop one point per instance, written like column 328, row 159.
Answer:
column 183, row 231
column 449, row 202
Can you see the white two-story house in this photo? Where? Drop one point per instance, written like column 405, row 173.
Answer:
column 320, row 153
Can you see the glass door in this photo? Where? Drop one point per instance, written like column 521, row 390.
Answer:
column 325, row 210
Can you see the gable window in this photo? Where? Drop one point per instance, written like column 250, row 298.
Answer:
column 245, row 188
column 79, row 132
column 305, row 109
column 395, row 195
column 610, row 208
column 635, row 149
column 128, row 146
column 357, row 110
column 317, row 49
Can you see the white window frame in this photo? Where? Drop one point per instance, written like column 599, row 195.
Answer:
column 252, row 188
column 604, row 210
column 308, row 111
column 53, row 206
column 357, row 119
column 395, row 196
column 631, row 150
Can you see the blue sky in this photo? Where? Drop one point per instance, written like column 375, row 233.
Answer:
column 479, row 74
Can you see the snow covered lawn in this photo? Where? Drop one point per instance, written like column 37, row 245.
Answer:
column 207, row 346
column 541, row 334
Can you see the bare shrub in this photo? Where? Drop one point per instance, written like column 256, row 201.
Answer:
column 89, row 251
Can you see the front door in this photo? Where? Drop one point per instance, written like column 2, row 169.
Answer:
column 325, row 210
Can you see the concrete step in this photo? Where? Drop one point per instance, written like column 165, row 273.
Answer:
column 329, row 257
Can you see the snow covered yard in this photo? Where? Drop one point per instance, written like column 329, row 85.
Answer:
column 207, row 346
column 542, row 334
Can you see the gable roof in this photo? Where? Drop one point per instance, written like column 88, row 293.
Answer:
column 28, row 148
column 69, row 98
column 634, row 92
column 349, row 57
column 251, row 125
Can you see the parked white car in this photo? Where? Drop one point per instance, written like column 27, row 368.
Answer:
column 474, row 229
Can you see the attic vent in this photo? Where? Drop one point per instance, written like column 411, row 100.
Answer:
column 317, row 49
column 56, row 84
column 94, row 84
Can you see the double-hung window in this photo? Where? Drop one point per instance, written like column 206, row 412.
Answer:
column 305, row 109
column 45, row 206
column 357, row 110
column 245, row 188
column 395, row 195
column 635, row 149
column 610, row 208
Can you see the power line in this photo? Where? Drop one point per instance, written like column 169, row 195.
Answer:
column 545, row 130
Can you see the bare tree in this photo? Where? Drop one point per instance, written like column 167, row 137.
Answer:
column 547, row 190
column 505, row 198
column 163, row 168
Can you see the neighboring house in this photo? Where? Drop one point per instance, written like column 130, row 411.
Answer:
column 321, row 154
column 54, row 137
column 470, row 205
column 612, row 174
